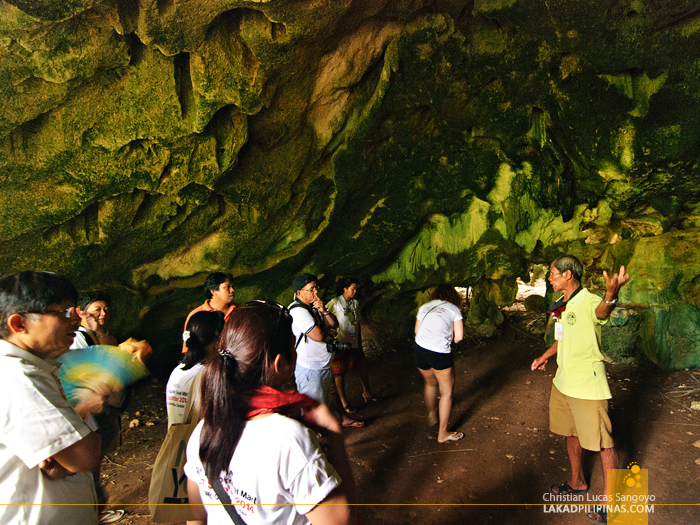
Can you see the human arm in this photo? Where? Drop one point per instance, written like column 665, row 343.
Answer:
column 458, row 327
column 415, row 328
column 329, row 320
column 108, row 339
column 612, row 288
column 334, row 508
column 195, row 499
column 318, row 332
column 82, row 456
column 52, row 469
column 541, row 361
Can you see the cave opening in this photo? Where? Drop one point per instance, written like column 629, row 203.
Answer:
column 529, row 309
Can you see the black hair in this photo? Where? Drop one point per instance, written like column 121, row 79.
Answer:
column 254, row 335
column 213, row 282
column 87, row 298
column 571, row 263
column 346, row 282
column 32, row 292
column 446, row 292
column 203, row 327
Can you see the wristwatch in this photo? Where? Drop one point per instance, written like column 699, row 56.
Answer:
column 610, row 302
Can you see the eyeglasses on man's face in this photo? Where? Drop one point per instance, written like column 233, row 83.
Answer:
column 313, row 289
column 67, row 313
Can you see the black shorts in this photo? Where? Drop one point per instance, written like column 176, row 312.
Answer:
column 427, row 359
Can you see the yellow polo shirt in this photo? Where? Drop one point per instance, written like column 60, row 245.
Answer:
column 581, row 371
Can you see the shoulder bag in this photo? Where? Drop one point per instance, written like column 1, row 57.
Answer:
column 167, row 495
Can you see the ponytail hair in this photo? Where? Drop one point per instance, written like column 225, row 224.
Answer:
column 202, row 329
column 254, row 335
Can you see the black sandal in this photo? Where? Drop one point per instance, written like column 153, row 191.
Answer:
column 565, row 489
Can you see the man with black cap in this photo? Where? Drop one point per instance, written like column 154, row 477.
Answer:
column 311, row 323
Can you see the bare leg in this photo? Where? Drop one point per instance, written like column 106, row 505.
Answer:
column 446, row 383
column 430, row 392
column 609, row 459
column 340, row 387
column 573, row 447
column 364, row 378
column 345, row 419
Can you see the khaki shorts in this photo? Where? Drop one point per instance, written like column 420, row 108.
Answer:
column 586, row 419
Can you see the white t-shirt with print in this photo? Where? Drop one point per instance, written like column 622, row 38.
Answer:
column 277, row 473
column 436, row 325
column 348, row 315
column 177, row 391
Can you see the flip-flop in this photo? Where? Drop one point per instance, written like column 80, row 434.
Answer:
column 355, row 424
column 111, row 516
column 565, row 489
column 454, row 436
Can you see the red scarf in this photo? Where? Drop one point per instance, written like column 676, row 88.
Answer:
column 267, row 400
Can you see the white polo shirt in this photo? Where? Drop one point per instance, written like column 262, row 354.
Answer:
column 36, row 422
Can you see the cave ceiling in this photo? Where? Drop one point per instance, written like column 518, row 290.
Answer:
column 145, row 144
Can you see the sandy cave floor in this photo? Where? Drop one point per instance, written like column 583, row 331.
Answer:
column 500, row 471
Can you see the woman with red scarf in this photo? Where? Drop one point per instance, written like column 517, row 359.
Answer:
column 256, row 446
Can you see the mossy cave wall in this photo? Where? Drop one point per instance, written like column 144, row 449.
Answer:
column 145, row 144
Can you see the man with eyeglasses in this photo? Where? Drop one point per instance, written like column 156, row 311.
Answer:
column 311, row 323
column 578, row 405
column 46, row 450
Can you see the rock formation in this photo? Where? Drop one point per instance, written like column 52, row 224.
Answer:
column 147, row 143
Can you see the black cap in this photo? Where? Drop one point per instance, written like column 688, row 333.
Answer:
column 302, row 280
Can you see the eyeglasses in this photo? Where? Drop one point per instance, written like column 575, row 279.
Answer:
column 312, row 289
column 68, row 312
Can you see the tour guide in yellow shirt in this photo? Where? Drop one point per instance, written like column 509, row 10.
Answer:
column 578, row 406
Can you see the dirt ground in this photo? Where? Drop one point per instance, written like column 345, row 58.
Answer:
column 500, row 472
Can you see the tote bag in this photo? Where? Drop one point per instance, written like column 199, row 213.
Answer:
column 167, row 495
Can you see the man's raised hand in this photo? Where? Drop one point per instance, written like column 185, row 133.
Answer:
column 614, row 283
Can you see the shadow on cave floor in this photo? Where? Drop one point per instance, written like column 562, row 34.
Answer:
column 500, row 471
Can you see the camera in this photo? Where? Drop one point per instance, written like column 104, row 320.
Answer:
column 336, row 345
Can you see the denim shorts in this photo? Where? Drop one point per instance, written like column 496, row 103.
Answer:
column 314, row 383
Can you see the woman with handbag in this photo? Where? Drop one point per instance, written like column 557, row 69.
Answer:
column 438, row 324
column 256, row 449
column 201, row 339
